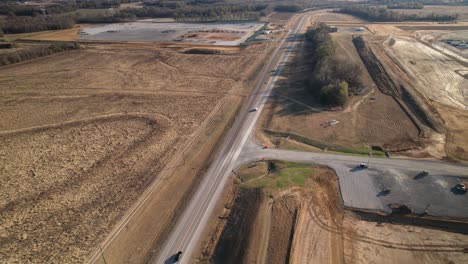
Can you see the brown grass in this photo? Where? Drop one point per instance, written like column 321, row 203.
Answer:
column 369, row 119
column 83, row 135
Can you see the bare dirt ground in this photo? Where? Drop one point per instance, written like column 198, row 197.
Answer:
column 85, row 133
column 60, row 35
column 437, row 76
column 370, row 119
column 434, row 76
column 257, row 224
column 319, row 230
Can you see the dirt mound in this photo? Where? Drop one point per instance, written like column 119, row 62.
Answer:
column 309, row 225
column 234, row 240
column 284, row 216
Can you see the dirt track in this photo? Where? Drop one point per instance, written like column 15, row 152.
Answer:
column 84, row 133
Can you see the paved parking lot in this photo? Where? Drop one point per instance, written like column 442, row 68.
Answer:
column 362, row 188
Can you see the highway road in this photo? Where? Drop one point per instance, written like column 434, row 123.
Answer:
column 188, row 230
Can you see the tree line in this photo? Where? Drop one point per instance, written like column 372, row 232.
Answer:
column 406, row 5
column 22, row 19
column 332, row 78
column 36, row 51
column 382, row 14
column 23, row 24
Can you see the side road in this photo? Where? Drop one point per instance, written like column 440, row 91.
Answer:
column 362, row 188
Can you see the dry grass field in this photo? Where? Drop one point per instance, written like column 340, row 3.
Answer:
column 370, row 119
column 433, row 76
column 85, row 133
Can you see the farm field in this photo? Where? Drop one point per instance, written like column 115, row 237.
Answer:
column 102, row 125
column 280, row 211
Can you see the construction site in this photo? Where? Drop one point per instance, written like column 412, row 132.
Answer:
column 283, row 212
column 294, row 214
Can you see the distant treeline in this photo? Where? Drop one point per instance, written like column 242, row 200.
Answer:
column 18, row 18
column 13, row 8
column 22, row 24
column 407, row 5
column 288, row 8
column 35, row 52
column 382, row 14
column 423, row 2
column 332, row 78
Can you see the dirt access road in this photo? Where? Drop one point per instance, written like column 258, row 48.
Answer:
column 186, row 234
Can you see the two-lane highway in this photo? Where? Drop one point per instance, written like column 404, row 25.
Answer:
column 188, row 230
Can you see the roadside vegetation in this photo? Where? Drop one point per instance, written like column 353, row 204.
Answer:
column 383, row 14
column 332, row 78
column 274, row 175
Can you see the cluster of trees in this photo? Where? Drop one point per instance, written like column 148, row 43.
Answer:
column 36, row 51
column 22, row 24
column 406, row 5
column 382, row 14
column 332, row 78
